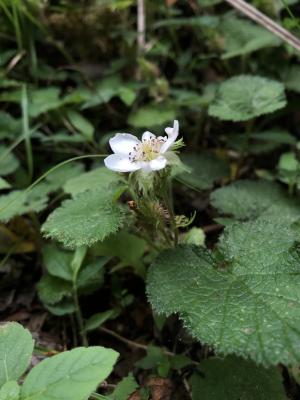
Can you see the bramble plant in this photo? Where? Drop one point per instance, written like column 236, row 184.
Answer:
column 177, row 243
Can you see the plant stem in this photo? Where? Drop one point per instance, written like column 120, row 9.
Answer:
column 79, row 317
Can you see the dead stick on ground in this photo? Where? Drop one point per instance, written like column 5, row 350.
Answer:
column 131, row 343
column 266, row 22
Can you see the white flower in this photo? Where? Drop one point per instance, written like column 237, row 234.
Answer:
column 132, row 154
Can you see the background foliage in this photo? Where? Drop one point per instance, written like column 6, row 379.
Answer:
column 74, row 268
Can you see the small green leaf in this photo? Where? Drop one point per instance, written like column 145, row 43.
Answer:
column 194, row 236
column 10, row 391
column 64, row 307
column 58, row 262
column 235, row 378
column 151, row 115
column 288, row 162
column 205, row 170
column 8, row 162
column 89, row 217
column 4, row 184
column 44, row 100
column 154, row 356
column 81, row 124
column 10, row 127
column 20, row 202
column 245, row 97
column 96, row 320
column 52, row 290
column 72, row 375
column 92, row 274
column 242, row 298
column 124, row 388
column 16, row 346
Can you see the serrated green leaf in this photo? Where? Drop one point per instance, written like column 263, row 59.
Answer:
column 72, row 375
column 16, row 346
column 243, row 298
column 250, row 199
column 10, row 391
column 151, row 115
column 205, row 170
column 89, row 217
column 235, row 378
column 99, row 178
column 245, row 97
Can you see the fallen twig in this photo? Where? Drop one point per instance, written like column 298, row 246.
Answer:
column 266, row 22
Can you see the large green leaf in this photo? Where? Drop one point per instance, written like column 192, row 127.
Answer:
column 235, row 378
column 243, row 298
column 245, row 97
column 205, row 170
column 71, row 375
column 89, row 217
column 16, row 346
column 250, row 199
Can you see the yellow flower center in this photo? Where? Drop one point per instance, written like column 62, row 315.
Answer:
column 148, row 150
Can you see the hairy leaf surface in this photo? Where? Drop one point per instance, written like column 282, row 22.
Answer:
column 250, row 199
column 244, row 298
column 245, row 97
column 89, row 217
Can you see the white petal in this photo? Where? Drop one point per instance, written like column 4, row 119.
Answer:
column 148, row 136
column 172, row 136
column 158, row 163
column 174, row 130
column 120, row 163
column 123, row 143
